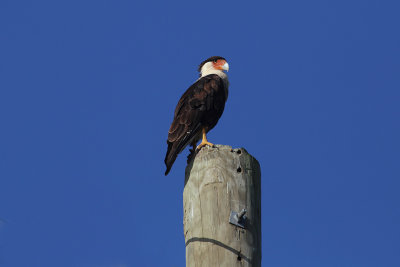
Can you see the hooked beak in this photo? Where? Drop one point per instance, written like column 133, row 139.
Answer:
column 225, row 66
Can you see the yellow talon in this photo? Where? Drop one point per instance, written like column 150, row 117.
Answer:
column 204, row 142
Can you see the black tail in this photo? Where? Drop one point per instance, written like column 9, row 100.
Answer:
column 171, row 155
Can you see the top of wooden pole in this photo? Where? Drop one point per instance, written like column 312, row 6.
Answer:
column 221, row 180
column 213, row 152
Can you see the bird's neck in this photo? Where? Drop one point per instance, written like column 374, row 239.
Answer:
column 220, row 73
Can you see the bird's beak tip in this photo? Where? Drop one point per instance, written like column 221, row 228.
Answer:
column 225, row 66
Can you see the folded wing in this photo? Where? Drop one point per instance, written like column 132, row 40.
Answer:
column 200, row 107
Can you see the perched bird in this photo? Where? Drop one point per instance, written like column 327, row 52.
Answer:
column 199, row 109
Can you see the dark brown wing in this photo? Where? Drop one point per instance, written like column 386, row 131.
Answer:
column 200, row 106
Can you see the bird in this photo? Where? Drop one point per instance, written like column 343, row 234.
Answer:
column 198, row 109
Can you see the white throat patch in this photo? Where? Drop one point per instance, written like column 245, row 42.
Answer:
column 208, row 69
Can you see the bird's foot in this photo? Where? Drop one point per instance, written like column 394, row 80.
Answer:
column 192, row 152
column 191, row 155
column 204, row 143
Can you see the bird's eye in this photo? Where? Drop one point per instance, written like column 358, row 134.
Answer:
column 215, row 60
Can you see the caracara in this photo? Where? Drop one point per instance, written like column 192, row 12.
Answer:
column 199, row 109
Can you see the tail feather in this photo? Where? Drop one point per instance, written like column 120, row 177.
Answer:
column 179, row 144
column 171, row 155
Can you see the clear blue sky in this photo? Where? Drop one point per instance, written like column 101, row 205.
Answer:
column 87, row 93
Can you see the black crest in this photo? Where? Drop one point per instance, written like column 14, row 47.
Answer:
column 209, row 60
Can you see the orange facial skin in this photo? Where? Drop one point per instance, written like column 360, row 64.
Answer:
column 218, row 65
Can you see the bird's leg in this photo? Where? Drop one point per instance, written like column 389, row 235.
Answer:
column 204, row 142
column 192, row 151
column 193, row 146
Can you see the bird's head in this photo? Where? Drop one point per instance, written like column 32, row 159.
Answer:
column 213, row 65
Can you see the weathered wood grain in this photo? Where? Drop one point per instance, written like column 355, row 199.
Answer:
column 217, row 181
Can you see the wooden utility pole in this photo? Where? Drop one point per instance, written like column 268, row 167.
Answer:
column 222, row 194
